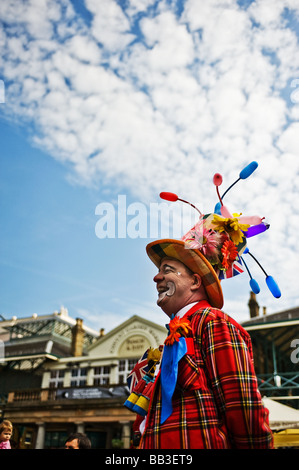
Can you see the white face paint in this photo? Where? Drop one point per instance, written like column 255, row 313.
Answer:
column 174, row 285
column 169, row 292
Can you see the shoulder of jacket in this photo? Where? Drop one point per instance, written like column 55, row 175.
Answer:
column 205, row 316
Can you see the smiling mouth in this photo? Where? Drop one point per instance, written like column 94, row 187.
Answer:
column 168, row 291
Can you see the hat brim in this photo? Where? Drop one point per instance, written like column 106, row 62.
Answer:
column 194, row 260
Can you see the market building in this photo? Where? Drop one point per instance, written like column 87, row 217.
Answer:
column 275, row 342
column 59, row 376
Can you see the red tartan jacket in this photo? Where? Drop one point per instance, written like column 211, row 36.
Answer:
column 216, row 403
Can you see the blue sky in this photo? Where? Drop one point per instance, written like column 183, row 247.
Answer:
column 130, row 98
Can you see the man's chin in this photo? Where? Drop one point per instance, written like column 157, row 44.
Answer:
column 164, row 305
column 161, row 297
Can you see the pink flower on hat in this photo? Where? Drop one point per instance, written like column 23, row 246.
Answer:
column 204, row 239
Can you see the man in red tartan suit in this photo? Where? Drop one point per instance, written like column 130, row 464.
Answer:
column 205, row 395
column 216, row 403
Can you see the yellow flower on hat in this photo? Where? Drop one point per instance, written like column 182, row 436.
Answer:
column 231, row 226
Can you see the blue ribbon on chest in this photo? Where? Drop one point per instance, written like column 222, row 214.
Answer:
column 172, row 354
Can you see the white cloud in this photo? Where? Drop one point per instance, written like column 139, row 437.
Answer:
column 139, row 6
column 288, row 140
column 193, row 95
column 266, row 12
column 170, row 43
column 110, row 25
column 83, row 49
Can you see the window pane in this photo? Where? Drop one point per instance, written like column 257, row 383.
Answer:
column 132, row 363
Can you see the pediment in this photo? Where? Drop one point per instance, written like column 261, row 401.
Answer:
column 130, row 339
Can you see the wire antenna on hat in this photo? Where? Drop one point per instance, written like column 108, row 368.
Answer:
column 250, row 232
column 222, row 239
column 270, row 281
column 173, row 197
column 257, row 224
column 217, row 180
column 253, row 283
column 245, row 173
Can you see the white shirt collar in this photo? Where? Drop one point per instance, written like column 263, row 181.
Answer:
column 184, row 310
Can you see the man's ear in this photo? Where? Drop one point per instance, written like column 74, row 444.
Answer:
column 197, row 282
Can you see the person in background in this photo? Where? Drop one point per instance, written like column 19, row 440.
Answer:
column 6, row 429
column 77, row 441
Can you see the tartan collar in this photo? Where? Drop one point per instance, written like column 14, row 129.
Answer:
column 202, row 304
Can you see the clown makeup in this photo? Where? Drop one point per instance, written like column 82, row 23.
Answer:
column 167, row 268
column 169, row 291
column 169, row 288
column 173, row 282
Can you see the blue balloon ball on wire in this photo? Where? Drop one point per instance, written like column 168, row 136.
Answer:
column 273, row 287
column 254, row 286
column 248, row 170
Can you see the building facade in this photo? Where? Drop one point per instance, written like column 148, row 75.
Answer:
column 58, row 377
column 62, row 378
column 275, row 342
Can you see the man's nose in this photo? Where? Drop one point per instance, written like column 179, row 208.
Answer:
column 158, row 277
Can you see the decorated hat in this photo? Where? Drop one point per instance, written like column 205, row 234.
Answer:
column 213, row 248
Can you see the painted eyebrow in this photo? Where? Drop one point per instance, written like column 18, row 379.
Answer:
column 167, row 266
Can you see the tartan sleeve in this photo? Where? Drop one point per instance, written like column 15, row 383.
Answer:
column 230, row 369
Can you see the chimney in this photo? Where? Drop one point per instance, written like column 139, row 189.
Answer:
column 253, row 306
column 264, row 310
column 102, row 332
column 77, row 338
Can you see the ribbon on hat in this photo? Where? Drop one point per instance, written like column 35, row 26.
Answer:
column 169, row 373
